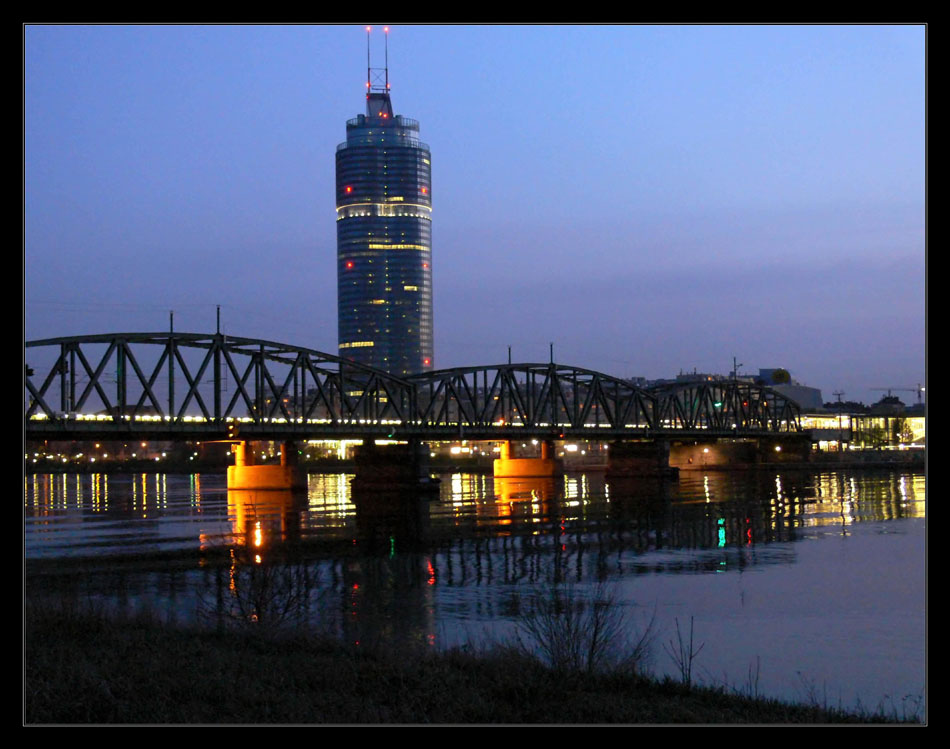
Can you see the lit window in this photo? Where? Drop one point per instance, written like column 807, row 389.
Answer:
column 382, row 246
column 358, row 344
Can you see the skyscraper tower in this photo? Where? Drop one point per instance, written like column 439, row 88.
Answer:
column 384, row 236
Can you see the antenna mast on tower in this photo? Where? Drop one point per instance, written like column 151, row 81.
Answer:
column 377, row 79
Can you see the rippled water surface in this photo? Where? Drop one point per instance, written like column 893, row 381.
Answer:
column 800, row 585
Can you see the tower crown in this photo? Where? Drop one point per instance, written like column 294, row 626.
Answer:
column 379, row 105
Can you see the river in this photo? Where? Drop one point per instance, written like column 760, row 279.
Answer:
column 804, row 585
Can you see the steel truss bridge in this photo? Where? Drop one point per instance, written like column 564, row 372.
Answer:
column 191, row 386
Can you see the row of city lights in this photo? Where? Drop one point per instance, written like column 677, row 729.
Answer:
column 668, row 423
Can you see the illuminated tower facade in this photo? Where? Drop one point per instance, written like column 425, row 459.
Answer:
column 384, row 237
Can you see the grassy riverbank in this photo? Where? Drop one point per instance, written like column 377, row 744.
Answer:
column 87, row 668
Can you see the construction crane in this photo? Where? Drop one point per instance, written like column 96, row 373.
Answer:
column 920, row 389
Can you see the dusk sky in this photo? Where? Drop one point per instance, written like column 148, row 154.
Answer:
column 651, row 199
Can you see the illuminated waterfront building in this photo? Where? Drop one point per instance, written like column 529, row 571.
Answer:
column 384, row 238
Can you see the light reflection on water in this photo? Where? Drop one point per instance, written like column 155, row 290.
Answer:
column 816, row 576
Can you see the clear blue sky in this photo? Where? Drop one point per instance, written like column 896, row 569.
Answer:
column 649, row 198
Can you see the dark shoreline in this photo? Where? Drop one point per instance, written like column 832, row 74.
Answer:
column 86, row 668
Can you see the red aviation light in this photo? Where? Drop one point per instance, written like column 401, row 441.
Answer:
column 427, row 361
column 425, row 190
column 348, row 189
column 349, row 264
column 425, row 265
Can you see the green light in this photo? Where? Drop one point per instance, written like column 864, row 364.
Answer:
column 392, row 546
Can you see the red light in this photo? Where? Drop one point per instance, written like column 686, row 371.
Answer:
column 425, row 190
column 349, row 189
column 427, row 361
column 349, row 264
column 386, row 29
column 425, row 265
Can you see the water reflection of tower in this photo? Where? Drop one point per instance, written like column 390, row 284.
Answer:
column 384, row 237
column 388, row 599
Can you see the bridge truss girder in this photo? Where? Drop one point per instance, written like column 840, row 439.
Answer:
column 724, row 405
column 271, row 382
column 132, row 383
column 531, row 396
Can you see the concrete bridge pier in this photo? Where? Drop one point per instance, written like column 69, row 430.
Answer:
column 741, row 453
column 393, row 468
column 545, row 466
column 784, row 448
column 649, row 458
column 244, row 474
column 713, row 454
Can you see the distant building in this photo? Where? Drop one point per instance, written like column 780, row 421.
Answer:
column 384, row 239
column 889, row 405
column 685, row 378
column 808, row 398
column 889, row 423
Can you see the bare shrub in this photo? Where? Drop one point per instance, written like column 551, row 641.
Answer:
column 683, row 652
column 569, row 633
column 267, row 595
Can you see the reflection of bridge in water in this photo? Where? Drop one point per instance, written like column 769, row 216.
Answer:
column 331, row 555
column 185, row 386
column 583, row 514
column 494, row 537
